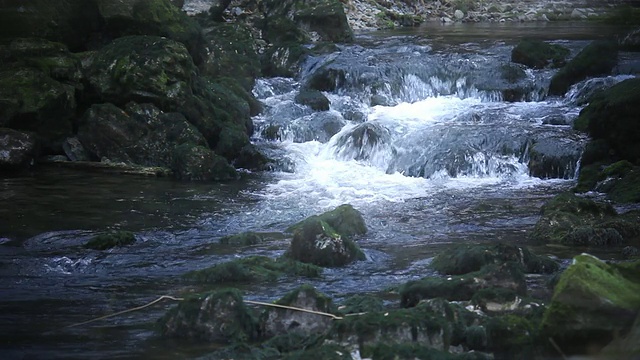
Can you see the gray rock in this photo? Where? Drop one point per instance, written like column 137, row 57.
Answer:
column 74, row 150
column 17, row 149
column 458, row 14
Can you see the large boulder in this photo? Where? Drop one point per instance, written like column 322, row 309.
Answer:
column 32, row 101
column 278, row 321
column 150, row 17
column 313, row 99
column 17, row 149
column 51, row 58
column 231, row 52
column 612, row 116
column 631, row 41
column 216, row 317
column 321, row 20
column 142, row 69
column 539, row 54
column 597, row 58
column 592, row 303
column 554, row 155
column 196, row 162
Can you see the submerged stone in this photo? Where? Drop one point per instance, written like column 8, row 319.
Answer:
column 250, row 238
column 111, row 240
column 592, row 302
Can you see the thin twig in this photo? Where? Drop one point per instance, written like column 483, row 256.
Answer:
column 126, row 311
column 295, row 308
column 555, row 345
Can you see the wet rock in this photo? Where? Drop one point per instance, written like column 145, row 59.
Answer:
column 539, row 54
column 572, row 220
column 325, row 239
column 360, row 304
column 17, row 149
column 626, row 346
column 231, row 53
column 32, row 101
column 554, row 156
column 197, row 162
column 74, row 150
column 142, row 69
column 322, row 20
column 252, row 269
column 277, row 321
column 463, row 287
column 217, row 317
column 368, row 142
column 51, row 58
column 464, row 259
column 313, row 99
column 598, row 58
column 420, row 326
column 514, row 336
column 284, row 59
column 111, row 240
column 611, row 116
column 592, row 301
column 319, row 126
column 153, row 18
column 630, row 252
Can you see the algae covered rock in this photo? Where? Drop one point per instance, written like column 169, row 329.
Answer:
column 18, row 150
column 325, row 239
column 572, row 220
column 277, row 321
column 111, row 240
column 539, row 54
column 32, row 101
column 196, row 162
column 591, row 303
column 464, row 259
column 598, row 58
column 252, row 269
column 142, row 69
column 463, row 287
column 250, row 238
column 219, row 317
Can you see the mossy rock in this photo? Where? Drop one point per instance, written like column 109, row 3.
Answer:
column 345, row 220
column 278, row 321
column 572, row 220
column 111, row 240
column 539, row 54
column 592, row 301
column 495, row 299
column 313, row 99
column 412, row 351
column 612, row 117
column 142, row 69
column 325, row 351
column 597, row 58
column 51, row 58
column 463, row 287
column 250, row 238
column 153, row 18
column 231, row 53
column 32, row 101
column 319, row 244
column 513, row 337
column 419, row 325
column 284, row 59
column 216, row 317
column 197, row 162
column 360, row 304
column 252, row 269
column 464, row 259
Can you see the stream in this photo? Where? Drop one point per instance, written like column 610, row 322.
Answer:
column 419, row 138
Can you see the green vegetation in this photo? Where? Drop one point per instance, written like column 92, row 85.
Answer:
column 111, row 240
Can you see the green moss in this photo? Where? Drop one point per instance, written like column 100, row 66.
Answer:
column 624, row 15
column 598, row 58
column 345, row 220
column 513, row 337
column 591, row 301
column 408, row 351
column 252, row 269
column 627, row 189
column 361, row 304
column 463, row 259
column 325, row 351
column 538, row 54
column 570, row 203
column 111, row 240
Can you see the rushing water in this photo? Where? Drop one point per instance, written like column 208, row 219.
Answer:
column 419, row 138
